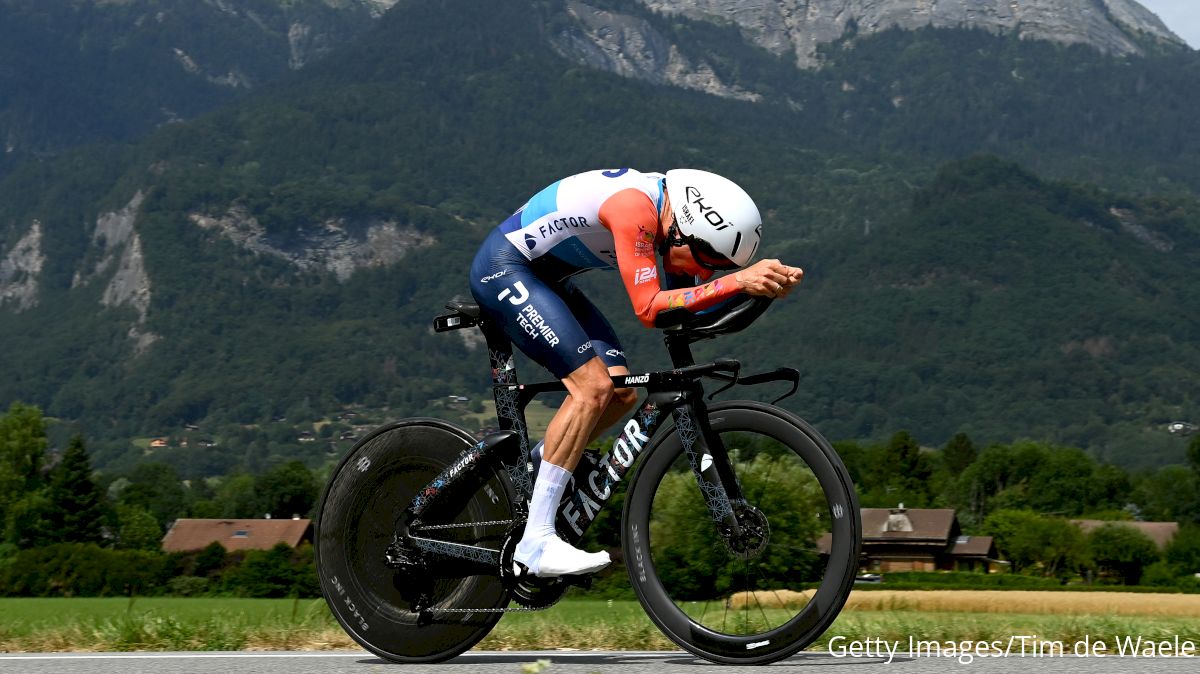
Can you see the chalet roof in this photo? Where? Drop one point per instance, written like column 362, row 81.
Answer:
column 912, row 524
column 1161, row 533
column 254, row 534
column 974, row 546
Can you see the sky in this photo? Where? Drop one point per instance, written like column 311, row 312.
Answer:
column 1181, row 16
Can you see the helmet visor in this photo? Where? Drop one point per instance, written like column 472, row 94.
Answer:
column 708, row 258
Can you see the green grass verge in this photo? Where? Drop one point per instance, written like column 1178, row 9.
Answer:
column 233, row 624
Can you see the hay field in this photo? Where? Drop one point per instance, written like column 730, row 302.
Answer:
column 1026, row 602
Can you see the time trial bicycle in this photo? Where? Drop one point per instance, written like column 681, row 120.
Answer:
column 740, row 530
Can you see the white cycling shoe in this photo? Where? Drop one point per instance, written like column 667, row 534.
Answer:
column 555, row 557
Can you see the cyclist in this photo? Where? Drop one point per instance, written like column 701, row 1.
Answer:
column 696, row 222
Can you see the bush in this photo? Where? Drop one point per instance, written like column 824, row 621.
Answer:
column 187, row 586
column 278, row 572
column 84, row 570
column 962, row 579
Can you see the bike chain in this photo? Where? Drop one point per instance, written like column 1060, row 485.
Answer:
column 517, row 609
column 512, row 609
column 432, row 527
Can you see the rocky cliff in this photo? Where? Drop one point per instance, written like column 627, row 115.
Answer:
column 630, row 46
column 19, row 269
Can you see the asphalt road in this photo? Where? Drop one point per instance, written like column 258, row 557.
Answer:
column 628, row 662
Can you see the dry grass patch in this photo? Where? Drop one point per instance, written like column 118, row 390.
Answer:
column 996, row 601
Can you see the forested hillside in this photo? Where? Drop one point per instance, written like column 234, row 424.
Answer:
column 946, row 291
column 81, row 71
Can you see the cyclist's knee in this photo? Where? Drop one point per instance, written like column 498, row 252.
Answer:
column 624, row 398
column 591, row 386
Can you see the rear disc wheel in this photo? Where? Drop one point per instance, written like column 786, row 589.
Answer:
column 359, row 514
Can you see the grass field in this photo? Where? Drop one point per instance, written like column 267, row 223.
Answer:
column 266, row 624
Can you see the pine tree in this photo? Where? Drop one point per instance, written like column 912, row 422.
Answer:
column 76, row 512
column 959, row 453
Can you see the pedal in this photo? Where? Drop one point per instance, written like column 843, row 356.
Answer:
column 583, row 581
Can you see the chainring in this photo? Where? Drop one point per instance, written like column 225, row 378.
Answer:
column 528, row 592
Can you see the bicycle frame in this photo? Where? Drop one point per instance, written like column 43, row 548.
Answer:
column 677, row 391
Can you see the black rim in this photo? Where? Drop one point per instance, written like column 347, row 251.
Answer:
column 770, row 593
column 371, row 601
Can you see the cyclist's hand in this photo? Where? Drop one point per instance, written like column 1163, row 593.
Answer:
column 768, row 278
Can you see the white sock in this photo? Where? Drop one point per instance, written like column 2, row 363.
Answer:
column 547, row 492
column 541, row 550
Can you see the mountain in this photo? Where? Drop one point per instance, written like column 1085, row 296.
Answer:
column 631, row 38
column 81, row 71
column 798, row 27
column 283, row 255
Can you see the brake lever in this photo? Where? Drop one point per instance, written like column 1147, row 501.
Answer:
column 735, row 368
column 781, row 374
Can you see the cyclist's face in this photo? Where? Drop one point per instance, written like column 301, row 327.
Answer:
column 680, row 261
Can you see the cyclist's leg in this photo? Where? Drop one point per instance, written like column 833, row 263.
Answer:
column 607, row 347
column 540, row 323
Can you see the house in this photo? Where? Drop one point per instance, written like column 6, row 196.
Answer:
column 1162, row 533
column 158, row 442
column 196, row 534
column 919, row 539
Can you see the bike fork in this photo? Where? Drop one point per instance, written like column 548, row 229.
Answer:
column 712, row 467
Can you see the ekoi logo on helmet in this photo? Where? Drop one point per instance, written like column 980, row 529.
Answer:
column 713, row 218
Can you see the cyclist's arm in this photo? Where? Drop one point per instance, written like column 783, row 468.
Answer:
column 633, row 220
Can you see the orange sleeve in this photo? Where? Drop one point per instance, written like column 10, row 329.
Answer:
column 632, row 218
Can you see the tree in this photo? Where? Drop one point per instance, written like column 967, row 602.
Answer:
column 1184, row 550
column 236, row 497
column 1170, row 493
column 959, row 453
column 1193, row 454
column 694, row 563
column 157, row 489
column 76, row 510
column 1029, row 541
column 138, row 529
column 22, row 447
column 22, row 494
column 898, row 472
column 286, row 490
column 1122, row 550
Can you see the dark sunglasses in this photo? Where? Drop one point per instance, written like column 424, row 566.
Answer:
column 702, row 252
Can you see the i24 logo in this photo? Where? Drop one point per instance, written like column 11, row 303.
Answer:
column 645, row 275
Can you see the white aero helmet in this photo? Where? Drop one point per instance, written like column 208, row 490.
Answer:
column 715, row 218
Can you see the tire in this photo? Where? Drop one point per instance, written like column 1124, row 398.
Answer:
column 366, row 494
column 763, row 608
